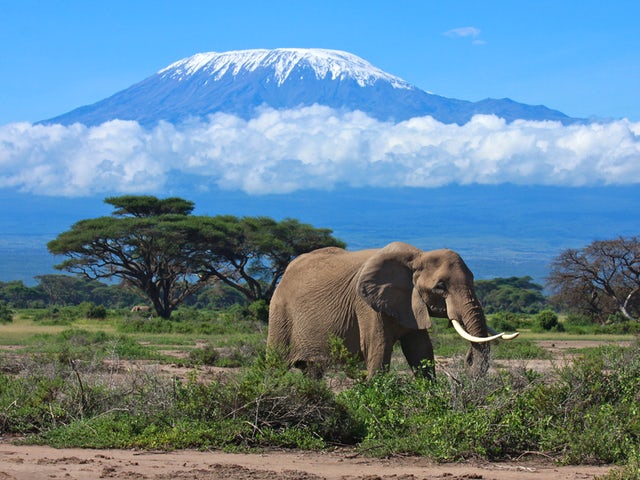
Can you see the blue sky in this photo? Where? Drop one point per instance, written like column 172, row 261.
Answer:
column 580, row 57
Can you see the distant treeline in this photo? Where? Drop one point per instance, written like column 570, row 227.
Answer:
column 67, row 290
column 515, row 294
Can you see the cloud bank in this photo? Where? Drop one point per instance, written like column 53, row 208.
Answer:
column 313, row 147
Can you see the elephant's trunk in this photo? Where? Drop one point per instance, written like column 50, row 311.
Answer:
column 475, row 324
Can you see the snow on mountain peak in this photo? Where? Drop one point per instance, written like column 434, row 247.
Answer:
column 283, row 61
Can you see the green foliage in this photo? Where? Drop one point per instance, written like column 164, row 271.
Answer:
column 205, row 355
column 168, row 255
column 65, row 290
column 279, row 399
column 584, row 412
column 265, row 406
column 95, row 312
column 57, row 315
column 631, row 471
column 341, row 360
column 88, row 346
column 230, row 354
column 17, row 295
column 504, row 321
column 577, row 320
column 514, row 294
column 6, row 314
column 188, row 320
column 519, row 349
column 588, row 415
column 259, row 311
column 149, row 206
column 548, row 320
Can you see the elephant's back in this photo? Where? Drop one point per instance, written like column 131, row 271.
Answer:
column 317, row 273
column 333, row 261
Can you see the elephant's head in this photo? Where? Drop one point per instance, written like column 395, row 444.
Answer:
column 411, row 285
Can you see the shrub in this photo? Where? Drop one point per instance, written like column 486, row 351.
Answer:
column 578, row 320
column 6, row 314
column 259, row 311
column 340, row 359
column 93, row 311
column 548, row 320
column 207, row 355
column 504, row 321
column 57, row 315
column 282, row 401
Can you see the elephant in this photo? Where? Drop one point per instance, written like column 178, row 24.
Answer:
column 140, row 308
column 371, row 299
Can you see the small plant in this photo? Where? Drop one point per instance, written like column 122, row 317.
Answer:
column 342, row 359
column 207, row 355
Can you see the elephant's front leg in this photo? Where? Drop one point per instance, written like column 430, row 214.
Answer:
column 418, row 351
column 377, row 347
column 378, row 358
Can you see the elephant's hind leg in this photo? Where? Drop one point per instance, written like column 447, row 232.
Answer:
column 418, row 351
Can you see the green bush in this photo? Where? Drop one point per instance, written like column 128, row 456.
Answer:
column 188, row 320
column 504, row 321
column 578, row 320
column 6, row 314
column 589, row 414
column 259, row 311
column 93, row 311
column 57, row 315
column 548, row 320
column 206, row 355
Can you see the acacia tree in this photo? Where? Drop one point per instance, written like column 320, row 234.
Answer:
column 163, row 252
column 600, row 278
column 140, row 244
column 250, row 254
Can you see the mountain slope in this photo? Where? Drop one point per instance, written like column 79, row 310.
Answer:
column 238, row 82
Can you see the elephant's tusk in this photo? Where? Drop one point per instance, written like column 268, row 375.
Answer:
column 463, row 333
column 505, row 336
column 510, row 336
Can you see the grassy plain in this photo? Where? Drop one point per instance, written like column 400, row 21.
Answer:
column 205, row 381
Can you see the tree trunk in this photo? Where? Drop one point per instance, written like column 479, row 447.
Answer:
column 624, row 308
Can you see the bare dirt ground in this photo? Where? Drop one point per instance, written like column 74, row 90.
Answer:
column 37, row 462
column 29, row 462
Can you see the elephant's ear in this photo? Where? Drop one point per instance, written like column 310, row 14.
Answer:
column 386, row 284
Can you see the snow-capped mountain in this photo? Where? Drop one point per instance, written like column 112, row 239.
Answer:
column 238, row 82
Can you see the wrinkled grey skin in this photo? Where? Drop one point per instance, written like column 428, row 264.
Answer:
column 372, row 299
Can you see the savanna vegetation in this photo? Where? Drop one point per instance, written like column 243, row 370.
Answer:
column 96, row 383
column 79, row 368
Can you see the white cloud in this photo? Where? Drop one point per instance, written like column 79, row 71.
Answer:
column 466, row 32
column 314, row 147
column 472, row 32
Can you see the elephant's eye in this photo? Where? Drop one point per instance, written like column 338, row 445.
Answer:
column 440, row 287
